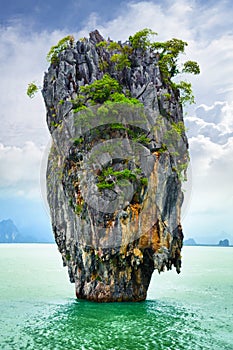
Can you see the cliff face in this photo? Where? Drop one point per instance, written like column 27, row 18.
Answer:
column 114, row 170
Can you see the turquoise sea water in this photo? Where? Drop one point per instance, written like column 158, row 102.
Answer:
column 38, row 309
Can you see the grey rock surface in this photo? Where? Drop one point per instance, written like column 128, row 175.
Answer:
column 112, row 239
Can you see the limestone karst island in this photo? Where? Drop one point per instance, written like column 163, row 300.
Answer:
column 118, row 159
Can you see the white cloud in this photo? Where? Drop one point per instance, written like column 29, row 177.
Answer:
column 215, row 58
column 20, row 170
column 214, row 121
column 168, row 21
column 23, row 60
column 210, row 211
column 211, row 146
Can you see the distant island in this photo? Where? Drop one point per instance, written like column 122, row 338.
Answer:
column 189, row 241
column 9, row 233
column 222, row 243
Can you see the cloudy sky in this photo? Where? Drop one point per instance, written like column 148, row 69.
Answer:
column 27, row 31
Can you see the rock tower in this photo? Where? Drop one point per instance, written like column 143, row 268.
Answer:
column 114, row 168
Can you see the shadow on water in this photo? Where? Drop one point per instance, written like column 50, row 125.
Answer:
column 85, row 325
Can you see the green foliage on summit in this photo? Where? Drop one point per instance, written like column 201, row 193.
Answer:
column 102, row 91
column 63, row 44
column 167, row 53
column 168, row 61
column 121, row 56
column 141, row 39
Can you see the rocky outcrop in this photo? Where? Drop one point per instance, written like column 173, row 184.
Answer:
column 114, row 169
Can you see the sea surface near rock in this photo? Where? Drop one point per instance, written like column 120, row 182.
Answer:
column 112, row 238
column 192, row 312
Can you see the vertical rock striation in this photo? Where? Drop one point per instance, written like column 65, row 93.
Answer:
column 114, row 171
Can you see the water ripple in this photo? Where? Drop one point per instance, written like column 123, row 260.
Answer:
column 89, row 326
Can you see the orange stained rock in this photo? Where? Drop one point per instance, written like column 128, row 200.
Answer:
column 79, row 200
column 144, row 240
column 137, row 252
column 128, row 272
column 123, row 249
column 93, row 276
column 110, row 223
column 155, row 238
column 168, row 241
column 135, row 209
column 157, row 154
